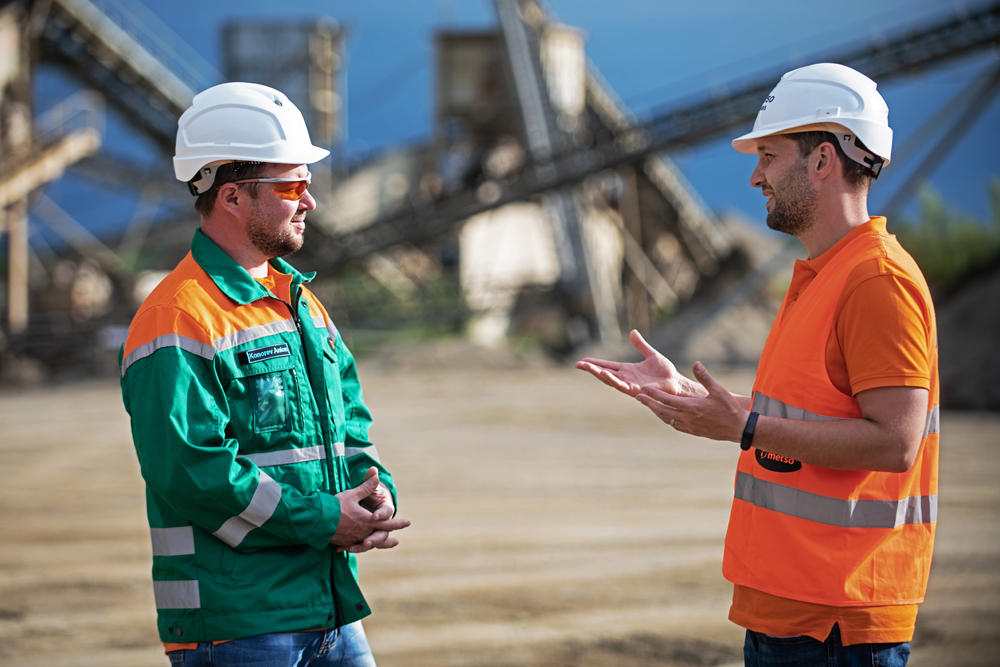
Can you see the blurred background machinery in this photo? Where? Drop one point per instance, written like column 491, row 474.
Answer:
column 539, row 207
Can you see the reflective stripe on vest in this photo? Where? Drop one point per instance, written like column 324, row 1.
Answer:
column 770, row 407
column 933, row 421
column 848, row 513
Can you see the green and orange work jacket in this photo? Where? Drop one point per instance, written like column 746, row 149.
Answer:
column 247, row 417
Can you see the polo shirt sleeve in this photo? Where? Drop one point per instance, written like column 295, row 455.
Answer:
column 882, row 333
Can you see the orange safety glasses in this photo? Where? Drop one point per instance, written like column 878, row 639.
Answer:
column 291, row 189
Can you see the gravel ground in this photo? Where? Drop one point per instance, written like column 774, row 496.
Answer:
column 555, row 522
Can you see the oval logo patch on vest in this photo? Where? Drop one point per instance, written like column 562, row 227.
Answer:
column 776, row 463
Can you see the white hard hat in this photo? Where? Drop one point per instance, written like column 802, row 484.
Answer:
column 832, row 98
column 239, row 122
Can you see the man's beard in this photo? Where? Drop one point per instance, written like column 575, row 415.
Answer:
column 270, row 240
column 794, row 207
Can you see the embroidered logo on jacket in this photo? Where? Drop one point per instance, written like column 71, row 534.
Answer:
column 776, row 463
column 264, row 353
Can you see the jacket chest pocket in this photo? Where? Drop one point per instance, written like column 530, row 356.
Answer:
column 264, row 401
column 269, row 395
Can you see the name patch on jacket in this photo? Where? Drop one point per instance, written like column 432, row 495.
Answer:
column 776, row 463
column 264, row 353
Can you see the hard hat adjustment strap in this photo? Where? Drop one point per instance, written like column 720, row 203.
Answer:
column 857, row 151
column 875, row 165
column 206, row 175
column 206, row 178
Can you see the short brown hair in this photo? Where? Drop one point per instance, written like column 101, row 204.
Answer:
column 227, row 173
column 857, row 175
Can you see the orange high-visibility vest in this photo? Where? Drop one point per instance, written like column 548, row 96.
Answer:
column 831, row 537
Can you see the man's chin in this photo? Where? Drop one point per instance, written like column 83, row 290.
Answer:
column 293, row 245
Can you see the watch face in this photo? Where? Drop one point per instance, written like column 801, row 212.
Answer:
column 776, row 463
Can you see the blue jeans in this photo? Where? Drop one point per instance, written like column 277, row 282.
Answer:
column 344, row 647
column 760, row 650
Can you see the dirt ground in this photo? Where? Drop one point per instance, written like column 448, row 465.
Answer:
column 555, row 523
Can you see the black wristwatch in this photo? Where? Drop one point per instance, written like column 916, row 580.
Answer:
column 748, row 431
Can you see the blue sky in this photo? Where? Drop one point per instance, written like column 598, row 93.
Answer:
column 652, row 52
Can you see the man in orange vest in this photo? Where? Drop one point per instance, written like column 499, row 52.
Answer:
column 832, row 525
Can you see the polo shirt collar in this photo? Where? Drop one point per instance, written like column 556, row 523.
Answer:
column 874, row 225
column 234, row 281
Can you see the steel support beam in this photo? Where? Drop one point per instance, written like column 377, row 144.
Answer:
column 685, row 125
column 17, row 267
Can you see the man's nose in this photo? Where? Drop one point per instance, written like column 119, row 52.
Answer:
column 757, row 179
column 307, row 202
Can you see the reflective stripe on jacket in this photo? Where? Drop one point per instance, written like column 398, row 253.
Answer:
column 247, row 417
column 832, row 537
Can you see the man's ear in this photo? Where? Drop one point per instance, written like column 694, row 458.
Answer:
column 824, row 160
column 228, row 198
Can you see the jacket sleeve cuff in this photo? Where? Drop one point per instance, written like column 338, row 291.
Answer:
column 386, row 479
column 327, row 525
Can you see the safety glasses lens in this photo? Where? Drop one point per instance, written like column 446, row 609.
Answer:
column 291, row 191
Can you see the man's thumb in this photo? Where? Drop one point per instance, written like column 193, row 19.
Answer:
column 706, row 380
column 368, row 487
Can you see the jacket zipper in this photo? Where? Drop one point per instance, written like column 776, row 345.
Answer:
column 338, row 616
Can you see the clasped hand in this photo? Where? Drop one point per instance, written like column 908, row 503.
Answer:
column 366, row 517
column 703, row 408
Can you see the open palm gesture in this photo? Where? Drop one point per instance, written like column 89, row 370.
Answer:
column 654, row 371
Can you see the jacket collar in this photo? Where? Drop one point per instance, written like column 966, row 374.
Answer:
column 233, row 279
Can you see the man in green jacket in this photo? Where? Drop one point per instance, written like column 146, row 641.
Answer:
column 247, row 413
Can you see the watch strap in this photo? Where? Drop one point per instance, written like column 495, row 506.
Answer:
column 748, row 430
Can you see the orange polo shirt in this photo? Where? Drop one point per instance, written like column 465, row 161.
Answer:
column 879, row 339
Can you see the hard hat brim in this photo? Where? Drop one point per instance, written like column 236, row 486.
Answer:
column 187, row 168
column 882, row 148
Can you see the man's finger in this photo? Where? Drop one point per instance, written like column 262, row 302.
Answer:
column 660, row 407
column 388, row 544
column 381, row 514
column 596, row 370
column 615, row 382
column 706, row 380
column 376, row 538
column 605, row 375
column 371, row 472
column 365, row 489
column 660, row 396
column 391, row 524
column 640, row 344
column 664, row 412
column 598, row 363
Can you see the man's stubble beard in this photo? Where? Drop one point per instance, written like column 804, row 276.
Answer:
column 268, row 239
column 795, row 207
